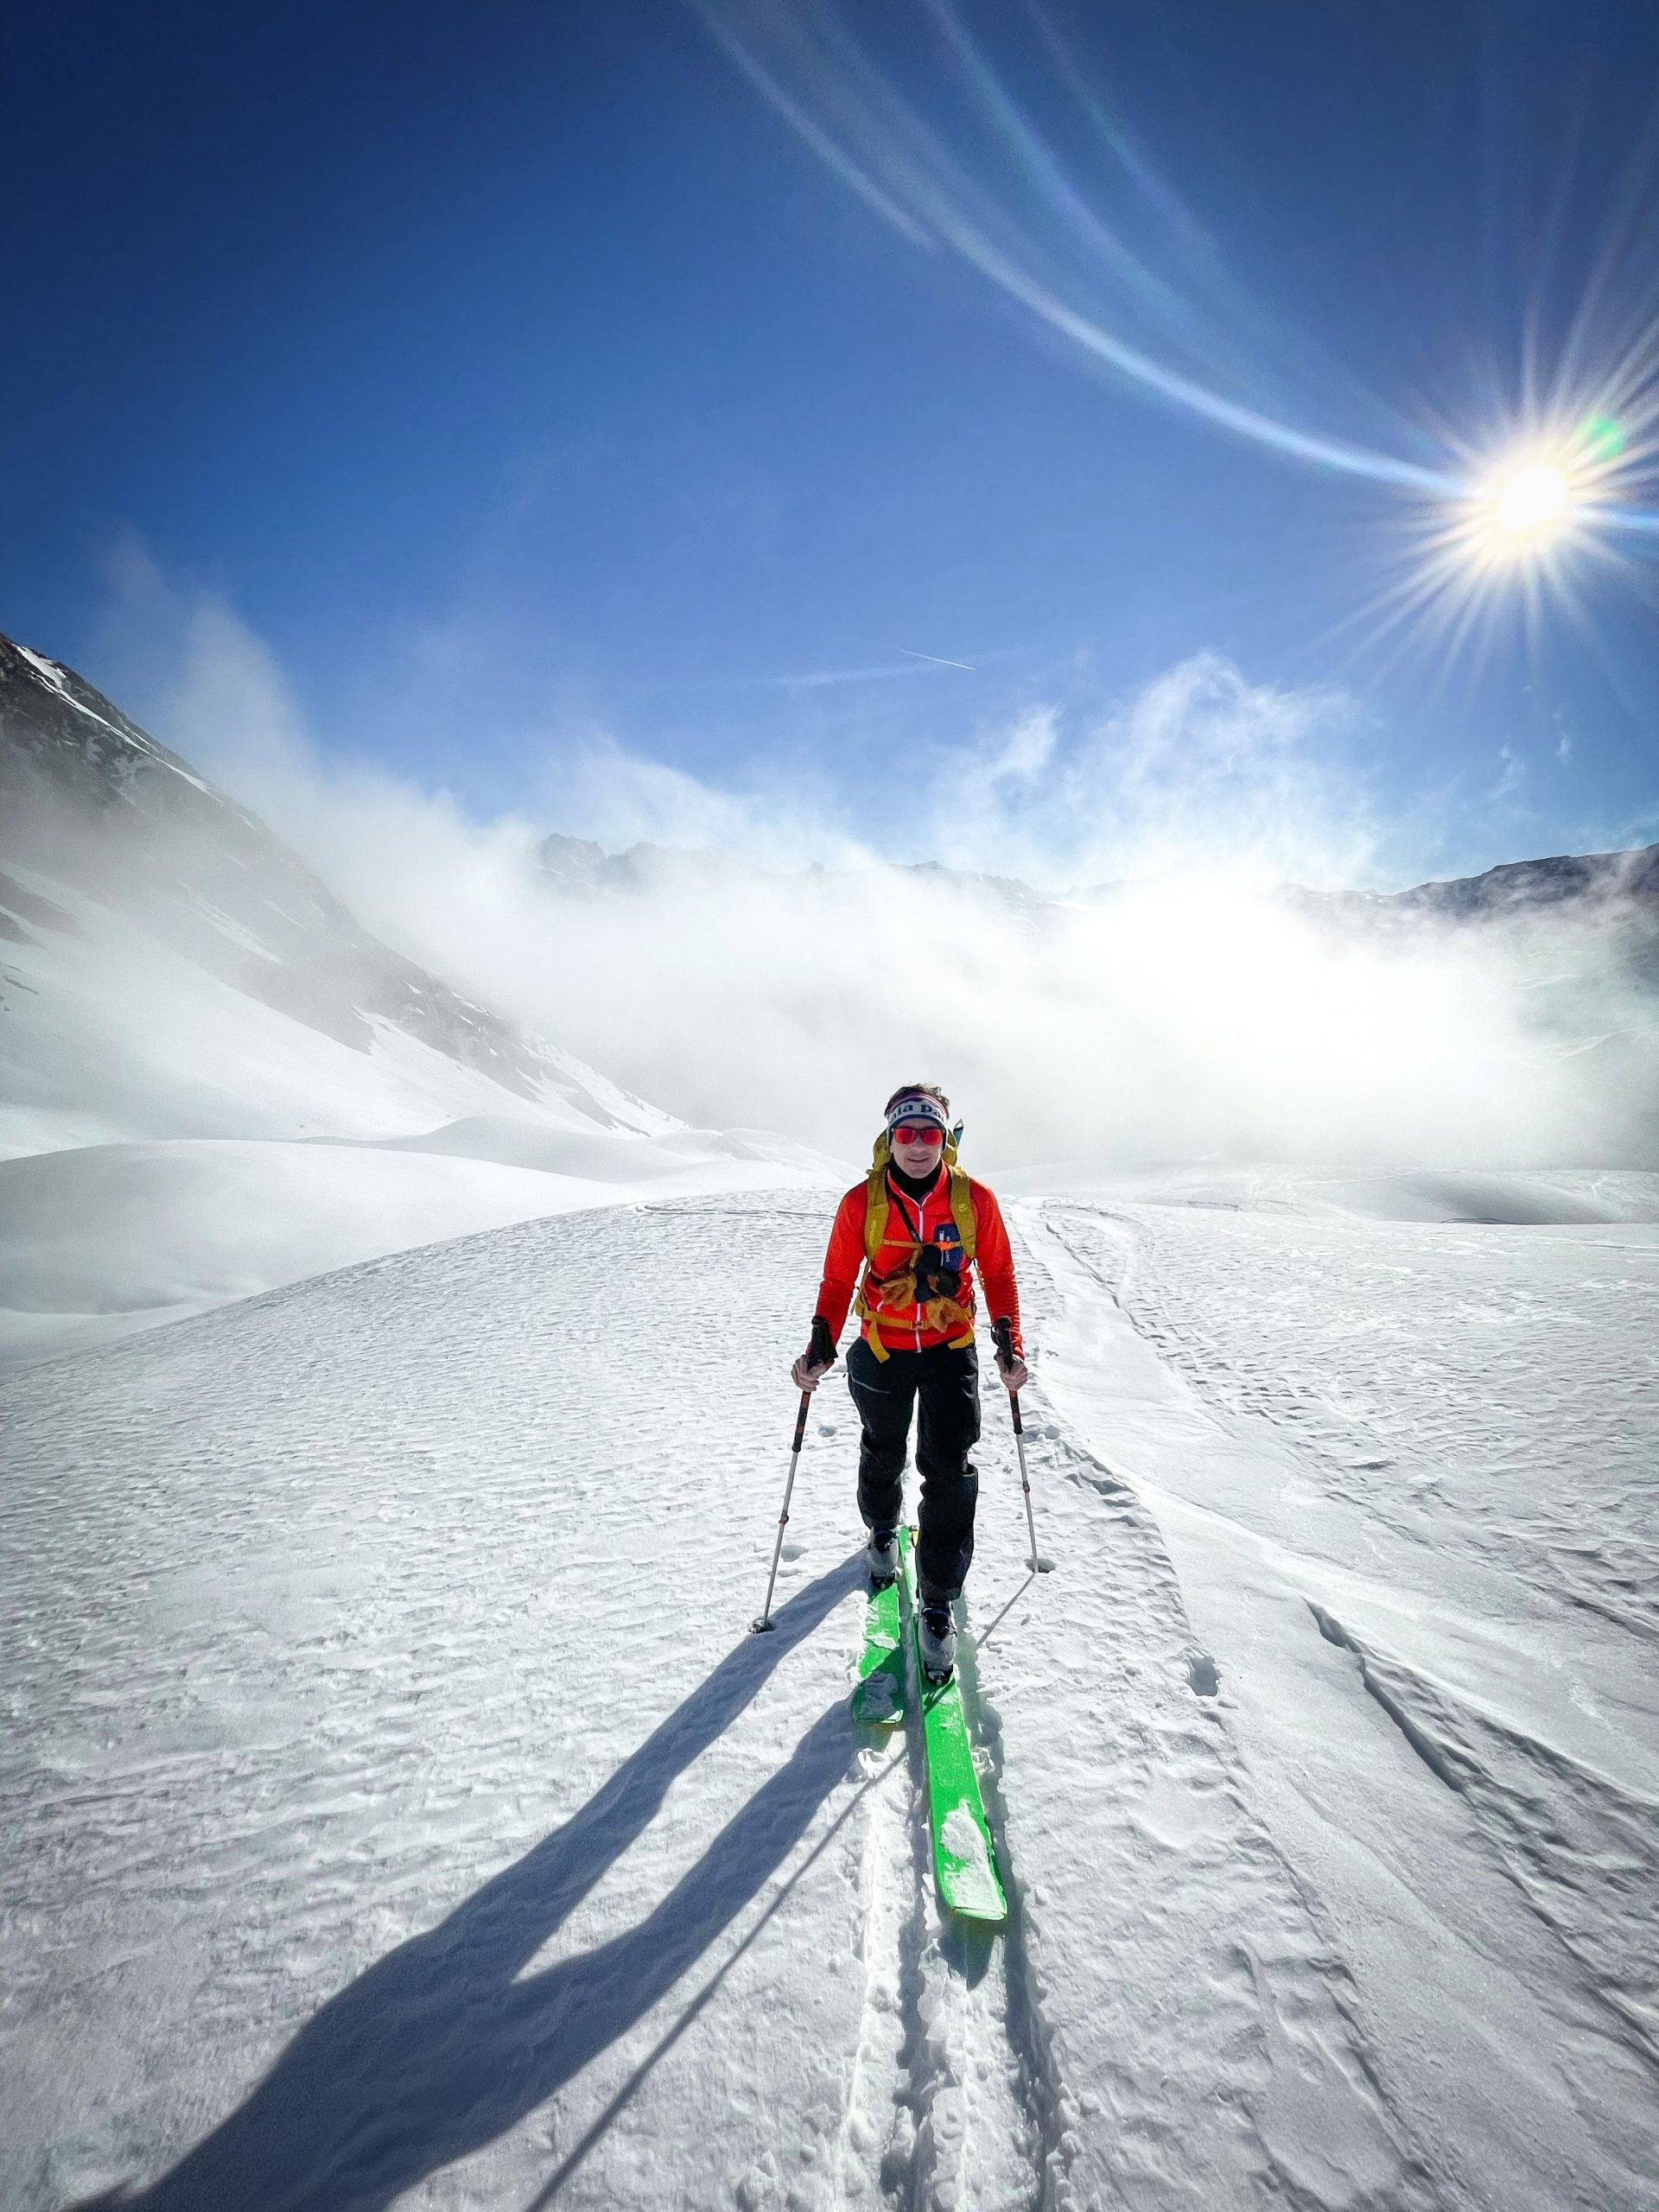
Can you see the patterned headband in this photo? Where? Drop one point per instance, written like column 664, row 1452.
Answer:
column 917, row 1106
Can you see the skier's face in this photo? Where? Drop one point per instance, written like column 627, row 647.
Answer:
column 916, row 1147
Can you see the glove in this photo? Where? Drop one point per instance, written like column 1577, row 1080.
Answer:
column 1009, row 1365
column 1015, row 1372
column 817, row 1359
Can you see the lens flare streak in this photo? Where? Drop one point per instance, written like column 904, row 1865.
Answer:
column 1135, row 283
column 805, row 63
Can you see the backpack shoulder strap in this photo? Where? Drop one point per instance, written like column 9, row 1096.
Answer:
column 962, row 1208
column 876, row 1208
column 876, row 1215
column 875, row 1201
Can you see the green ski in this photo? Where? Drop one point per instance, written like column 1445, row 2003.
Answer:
column 879, row 1701
column 964, row 1859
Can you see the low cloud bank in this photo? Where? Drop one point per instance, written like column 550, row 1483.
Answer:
column 788, row 976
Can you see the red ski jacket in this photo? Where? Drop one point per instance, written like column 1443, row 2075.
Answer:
column 921, row 1289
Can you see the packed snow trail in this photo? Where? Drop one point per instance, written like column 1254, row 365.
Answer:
column 408, row 1815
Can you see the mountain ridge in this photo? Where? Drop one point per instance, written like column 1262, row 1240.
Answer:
column 91, row 803
column 1585, row 880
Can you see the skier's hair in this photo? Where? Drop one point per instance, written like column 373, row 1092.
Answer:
column 916, row 1090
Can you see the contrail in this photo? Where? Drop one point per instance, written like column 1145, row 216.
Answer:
column 938, row 662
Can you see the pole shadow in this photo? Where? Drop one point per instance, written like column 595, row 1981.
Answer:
column 439, row 2048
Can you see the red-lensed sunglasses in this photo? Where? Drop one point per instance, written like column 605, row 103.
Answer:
column 917, row 1132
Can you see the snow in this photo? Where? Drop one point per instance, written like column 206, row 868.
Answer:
column 1323, row 1769
column 55, row 674
column 163, row 1231
column 1403, row 1476
column 975, row 1885
column 168, row 1141
column 229, row 927
column 111, row 1034
column 104, row 1239
column 48, row 669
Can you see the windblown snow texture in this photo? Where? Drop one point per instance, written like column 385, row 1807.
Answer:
column 405, row 1813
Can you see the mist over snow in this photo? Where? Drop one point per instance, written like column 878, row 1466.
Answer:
column 1131, row 984
column 213, row 1080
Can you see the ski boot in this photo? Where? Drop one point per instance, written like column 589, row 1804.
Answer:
column 936, row 1642
column 882, row 1555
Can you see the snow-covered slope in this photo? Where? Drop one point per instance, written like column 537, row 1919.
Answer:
column 406, row 1815
column 105, row 1239
column 170, row 969
column 185, row 1010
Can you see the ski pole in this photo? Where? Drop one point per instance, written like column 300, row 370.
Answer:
column 1004, row 1332
column 759, row 1627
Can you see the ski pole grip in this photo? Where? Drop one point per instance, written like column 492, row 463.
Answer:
column 1004, row 1331
column 800, row 1420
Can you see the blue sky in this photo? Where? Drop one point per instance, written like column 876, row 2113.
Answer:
column 520, row 374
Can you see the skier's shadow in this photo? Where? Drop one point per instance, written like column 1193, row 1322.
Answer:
column 439, row 2048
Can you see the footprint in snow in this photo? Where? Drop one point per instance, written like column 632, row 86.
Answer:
column 1202, row 1673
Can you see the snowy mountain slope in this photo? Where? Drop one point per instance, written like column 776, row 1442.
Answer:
column 612, row 1156
column 341, row 1886
column 169, row 968
column 1627, row 880
column 110, row 1032
column 181, row 1003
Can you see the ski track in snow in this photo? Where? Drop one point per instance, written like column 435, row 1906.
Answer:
column 1434, row 1449
column 408, row 1817
column 408, row 1812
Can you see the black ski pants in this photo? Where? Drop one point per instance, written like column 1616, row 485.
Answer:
column 946, row 1381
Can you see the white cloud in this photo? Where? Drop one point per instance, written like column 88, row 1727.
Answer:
column 1199, row 774
column 1191, row 1016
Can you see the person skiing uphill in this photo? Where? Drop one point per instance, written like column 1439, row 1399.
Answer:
column 918, row 1226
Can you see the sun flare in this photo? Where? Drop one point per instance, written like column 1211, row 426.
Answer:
column 1525, row 508
column 1532, row 504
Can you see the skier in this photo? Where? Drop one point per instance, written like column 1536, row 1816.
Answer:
column 918, row 1224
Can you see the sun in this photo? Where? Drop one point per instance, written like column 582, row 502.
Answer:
column 1523, row 509
column 1531, row 505
column 1524, row 519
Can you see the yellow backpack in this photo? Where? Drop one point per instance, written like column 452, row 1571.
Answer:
column 876, row 1209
